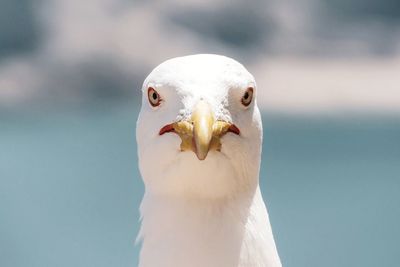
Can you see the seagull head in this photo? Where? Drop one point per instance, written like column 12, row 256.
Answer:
column 199, row 130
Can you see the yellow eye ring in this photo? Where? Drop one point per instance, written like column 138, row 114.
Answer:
column 247, row 96
column 154, row 97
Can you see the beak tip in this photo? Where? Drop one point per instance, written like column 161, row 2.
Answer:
column 201, row 157
column 201, row 151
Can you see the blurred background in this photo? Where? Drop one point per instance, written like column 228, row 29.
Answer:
column 328, row 74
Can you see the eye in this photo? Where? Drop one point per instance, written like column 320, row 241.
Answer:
column 154, row 97
column 247, row 96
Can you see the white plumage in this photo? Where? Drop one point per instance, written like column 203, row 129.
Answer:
column 199, row 136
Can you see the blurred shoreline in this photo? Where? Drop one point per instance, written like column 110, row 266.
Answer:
column 307, row 56
column 292, row 86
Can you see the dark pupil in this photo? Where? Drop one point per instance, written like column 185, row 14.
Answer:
column 246, row 95
column 154, row 95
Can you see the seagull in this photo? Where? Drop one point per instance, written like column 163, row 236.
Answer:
column 199, row 137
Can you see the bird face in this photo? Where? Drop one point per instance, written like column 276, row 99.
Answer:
column 199, row 130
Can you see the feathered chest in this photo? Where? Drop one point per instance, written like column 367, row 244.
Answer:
column 183, row 235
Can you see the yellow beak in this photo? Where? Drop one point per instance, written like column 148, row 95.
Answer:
column 203, row 121
column 202, row 133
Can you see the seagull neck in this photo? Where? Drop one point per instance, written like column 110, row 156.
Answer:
column 193, row 232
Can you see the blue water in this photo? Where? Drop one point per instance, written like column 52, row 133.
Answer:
column 70, row 189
